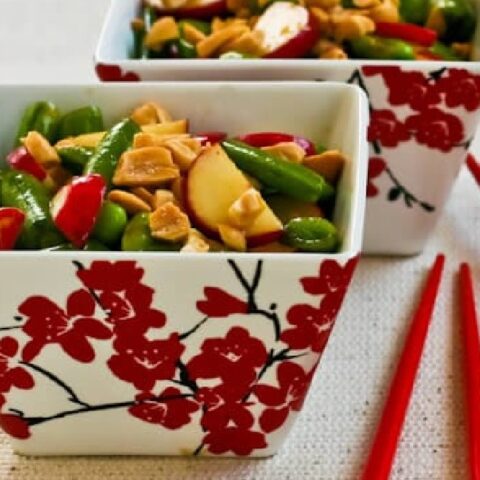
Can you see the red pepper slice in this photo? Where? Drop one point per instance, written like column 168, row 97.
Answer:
column 76, row 206
column 11, row 223
column 20, row 159
column 407, row 31
column 267, row 139
column 210, row 137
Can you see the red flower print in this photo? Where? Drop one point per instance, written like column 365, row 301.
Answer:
column 240, row 441
column 386, row 129
column 169, row 409
column 376, row 166
column 289, row 395
column 113, row 73
column 14, row 425
column 232, row 359
column 332, row 277
column 461, row 88
column 12, row 377
column 142, row 362
column 48, row 323
column 312, row 328
column 223, row 405
column 111, row 276
column 436, row 129
column 219, row 303
column 411, row 88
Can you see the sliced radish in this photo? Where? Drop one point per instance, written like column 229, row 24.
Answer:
column 289, row 31
column 11, row 223
column 20, row 159
column 76, row 206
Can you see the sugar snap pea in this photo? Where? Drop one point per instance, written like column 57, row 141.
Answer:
column 25, row 192
column 137, row 237
column 286, row 177
column 75, row 158
column 113, row 144
column 371, row 46
column 87, row 119
column 311, row 234
column 41, row 117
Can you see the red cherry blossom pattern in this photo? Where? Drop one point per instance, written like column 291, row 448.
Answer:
column 461, row 89
column 219, row 303
column 385, row 128
column 15, row 426
column 312, row 326
column 410, row 88
column 234, row 358
column 142, row 362
column 289, row 395
column 10, row 376
column 113, row 73
column 376, row 166
column 47, row 323
column 171, row 413
column 436, row 129
column 240, row 441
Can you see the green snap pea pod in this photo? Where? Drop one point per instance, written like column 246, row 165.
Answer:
column 110, row 224
column 46, row 121
column 138, row 31
column 371, row 46
column 204, row 27
column 185, row 49
column 39, row 116
column 458, row 16
column 82, row 120
column 288, row 178
column 446, row 53
column 311, row 234
column 137, row 237
column 23, row 191
column 75, row 158
column 108, row 151
column 414, row 11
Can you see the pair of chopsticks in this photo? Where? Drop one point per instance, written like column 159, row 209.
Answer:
column 382, row 453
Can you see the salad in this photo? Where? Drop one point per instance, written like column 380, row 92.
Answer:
column 148, row 184
column 329, row 29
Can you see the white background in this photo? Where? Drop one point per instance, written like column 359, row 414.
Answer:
column 52, row 41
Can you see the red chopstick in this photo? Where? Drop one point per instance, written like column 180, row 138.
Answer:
column 474, row 167
column 380, row 460
column 472, row 367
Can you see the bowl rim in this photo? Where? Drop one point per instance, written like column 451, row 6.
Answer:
column 358, row 197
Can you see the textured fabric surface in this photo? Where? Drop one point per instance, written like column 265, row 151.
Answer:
column 54, row 42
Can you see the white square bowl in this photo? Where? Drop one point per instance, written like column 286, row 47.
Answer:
column 424, row 116
column 167, row 353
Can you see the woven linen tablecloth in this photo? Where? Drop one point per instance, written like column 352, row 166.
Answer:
column 53, row 41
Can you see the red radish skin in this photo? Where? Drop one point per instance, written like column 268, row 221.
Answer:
column 204, row 10
column 210, row 137
column 76, row 206
column 20, row 159
column 407, row 31
column 11, row 223
column 292, row 22
column 267, row 139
